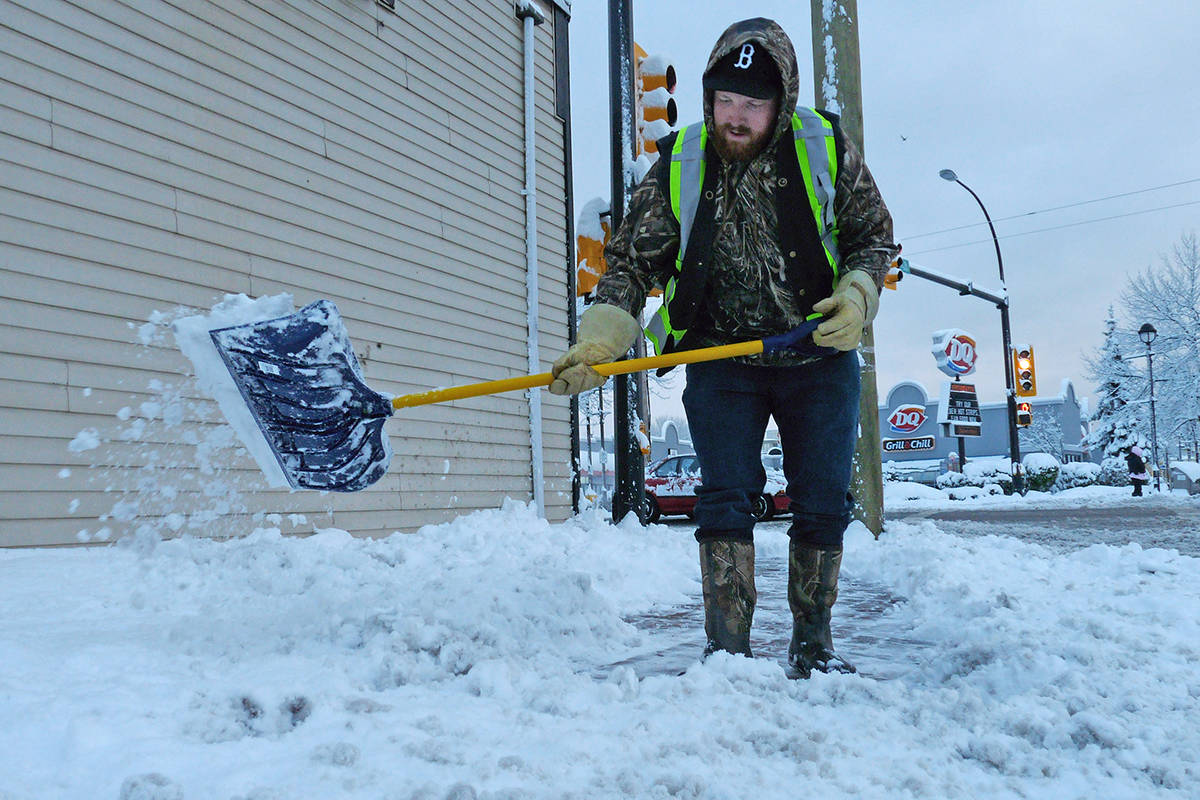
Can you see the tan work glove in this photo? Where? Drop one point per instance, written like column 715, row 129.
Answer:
column 847, row 311
column 605, row 334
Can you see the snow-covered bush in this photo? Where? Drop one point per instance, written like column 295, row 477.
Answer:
column 990, row 472
column 1113, row 472
column 1041, row 471
column 991, row 475
column 1076, row 474
column 952, row 480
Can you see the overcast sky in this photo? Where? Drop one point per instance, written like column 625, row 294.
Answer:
column 1034, row 105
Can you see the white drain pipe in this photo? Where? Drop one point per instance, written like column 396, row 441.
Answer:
column 530, row 15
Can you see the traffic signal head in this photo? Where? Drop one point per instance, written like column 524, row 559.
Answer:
column 896, row 271
column 591, row 236
column 657, row 113
column 893, row 277
column 1023, row 370
column 1024, row 415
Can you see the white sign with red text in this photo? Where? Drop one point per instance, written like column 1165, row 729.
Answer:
column 955, row 351
column 907, row 418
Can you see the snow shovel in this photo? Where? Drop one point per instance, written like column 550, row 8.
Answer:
column 303, row 386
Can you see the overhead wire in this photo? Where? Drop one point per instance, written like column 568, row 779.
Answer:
column 1055, row 227
column 1025, row 214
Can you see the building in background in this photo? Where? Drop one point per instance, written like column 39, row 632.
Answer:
column 162, row 154
column 913, row 439
column 908, row 423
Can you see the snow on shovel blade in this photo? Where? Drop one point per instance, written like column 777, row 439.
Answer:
column 302, row 383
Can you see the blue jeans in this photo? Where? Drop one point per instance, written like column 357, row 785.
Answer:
column 816, row 409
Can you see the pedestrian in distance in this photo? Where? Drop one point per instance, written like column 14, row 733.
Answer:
column 753, row 221
column 1138, row 476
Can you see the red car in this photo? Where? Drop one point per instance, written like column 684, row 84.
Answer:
column 671, row 490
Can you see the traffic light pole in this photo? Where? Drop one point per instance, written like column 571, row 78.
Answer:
column 626, row 401
column 1014, row 441
column 1001, row 302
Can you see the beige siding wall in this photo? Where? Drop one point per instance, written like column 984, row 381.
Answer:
column 156, row 154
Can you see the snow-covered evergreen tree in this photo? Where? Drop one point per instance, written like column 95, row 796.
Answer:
column 1114, row 424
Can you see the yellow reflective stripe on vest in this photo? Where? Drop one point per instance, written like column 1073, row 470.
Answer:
column 686, row 170
column 816, row 147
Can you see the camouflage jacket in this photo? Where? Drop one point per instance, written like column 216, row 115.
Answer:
column 747, row 296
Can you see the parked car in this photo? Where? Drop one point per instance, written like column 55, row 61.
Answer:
column 671, row 489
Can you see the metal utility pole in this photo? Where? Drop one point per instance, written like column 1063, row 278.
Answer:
column 837, row 79
column 626, row 397
column 1014, row 441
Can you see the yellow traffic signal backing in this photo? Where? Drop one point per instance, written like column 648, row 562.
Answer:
column 1023, row 370
column 656, row 111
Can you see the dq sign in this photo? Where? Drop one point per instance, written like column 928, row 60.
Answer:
column 907, row 419
column 955, row 352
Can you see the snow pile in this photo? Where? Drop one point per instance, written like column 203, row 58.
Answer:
column 1070, row 668
column 461, row 662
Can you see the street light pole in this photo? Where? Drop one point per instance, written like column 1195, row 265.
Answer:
column 1147, row 333
column 1014, row 442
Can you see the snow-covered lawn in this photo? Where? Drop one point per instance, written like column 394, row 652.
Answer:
column 904, row 496
column 458, row 662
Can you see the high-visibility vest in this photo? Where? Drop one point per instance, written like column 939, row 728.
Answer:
column 817, row 154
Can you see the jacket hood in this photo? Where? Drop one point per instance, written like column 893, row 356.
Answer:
column 770, row 35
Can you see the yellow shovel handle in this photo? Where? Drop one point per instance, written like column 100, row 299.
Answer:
column 611, row 368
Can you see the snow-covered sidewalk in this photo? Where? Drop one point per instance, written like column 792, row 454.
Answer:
column 463, row 662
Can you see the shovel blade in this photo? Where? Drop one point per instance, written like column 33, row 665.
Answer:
column 303, row 385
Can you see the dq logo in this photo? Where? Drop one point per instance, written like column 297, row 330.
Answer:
column 907, row 419
column 954, row 351
column 960, row 354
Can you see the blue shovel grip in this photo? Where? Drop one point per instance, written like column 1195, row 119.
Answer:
column 799, row 340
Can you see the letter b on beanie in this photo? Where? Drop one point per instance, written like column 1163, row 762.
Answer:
column 747, row 70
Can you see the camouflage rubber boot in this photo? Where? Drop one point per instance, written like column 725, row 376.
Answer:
column 812, row 591
column 727, row 572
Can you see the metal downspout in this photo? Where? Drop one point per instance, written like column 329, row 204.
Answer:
column 530, row 16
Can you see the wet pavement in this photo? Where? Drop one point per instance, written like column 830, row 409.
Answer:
column 1147, row 521
column 861, row 631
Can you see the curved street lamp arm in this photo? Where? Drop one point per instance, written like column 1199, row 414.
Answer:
column 991, row 227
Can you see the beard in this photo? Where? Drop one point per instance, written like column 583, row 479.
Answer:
column 741, row 150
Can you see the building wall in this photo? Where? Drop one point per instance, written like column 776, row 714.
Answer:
column 162, row 153
column 1065, row 408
